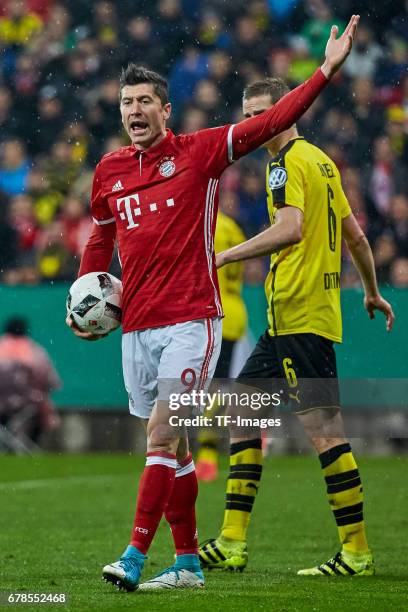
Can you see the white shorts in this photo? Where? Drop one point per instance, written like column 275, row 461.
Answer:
column 183, row 355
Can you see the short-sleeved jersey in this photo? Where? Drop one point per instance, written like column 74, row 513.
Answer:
column 230, row 278
column 164, row 203
column 303, row 284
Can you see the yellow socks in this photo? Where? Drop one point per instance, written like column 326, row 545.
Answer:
column 345, row 495
column 242, row 487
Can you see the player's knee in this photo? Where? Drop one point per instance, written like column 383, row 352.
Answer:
column 323, row 426
column 161, row 437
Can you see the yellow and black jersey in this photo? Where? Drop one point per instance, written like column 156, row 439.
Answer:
column 230, row 277
column 303, row 284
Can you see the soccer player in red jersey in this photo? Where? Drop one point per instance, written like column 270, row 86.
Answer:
column 158, row 198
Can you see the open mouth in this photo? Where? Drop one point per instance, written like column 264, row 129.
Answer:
column 138, row 127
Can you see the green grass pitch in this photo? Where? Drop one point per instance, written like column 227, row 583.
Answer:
column 64, row 517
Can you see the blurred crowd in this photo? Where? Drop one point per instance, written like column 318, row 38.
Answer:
column 59, row 68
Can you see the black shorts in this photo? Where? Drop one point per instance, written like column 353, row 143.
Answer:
column 301, row 366
column 224, row 360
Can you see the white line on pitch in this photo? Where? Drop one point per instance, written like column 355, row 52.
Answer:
column 46, row 482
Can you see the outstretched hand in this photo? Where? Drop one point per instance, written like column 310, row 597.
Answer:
column 337, row 49
column 378, row 303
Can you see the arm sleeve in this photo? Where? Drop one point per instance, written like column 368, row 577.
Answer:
column 98, row 251
column 254, row 132
column 101, row 213
column 211, row 149
column 345, row 209
column 286, row 183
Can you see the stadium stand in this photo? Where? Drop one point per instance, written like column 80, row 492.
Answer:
column 59, row 66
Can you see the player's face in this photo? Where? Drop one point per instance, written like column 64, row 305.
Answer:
column 255, row 106
column 143, row 114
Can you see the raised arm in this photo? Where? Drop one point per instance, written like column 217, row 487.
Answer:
column 254, row 132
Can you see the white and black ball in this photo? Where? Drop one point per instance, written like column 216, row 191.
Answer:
column 94, row 302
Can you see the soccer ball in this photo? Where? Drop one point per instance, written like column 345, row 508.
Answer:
column 94, row 302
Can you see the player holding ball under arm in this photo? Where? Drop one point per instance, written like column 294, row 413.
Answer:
column 158, row 197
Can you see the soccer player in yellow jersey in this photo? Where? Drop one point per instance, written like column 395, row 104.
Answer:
column 230, row 279
column 309, row 217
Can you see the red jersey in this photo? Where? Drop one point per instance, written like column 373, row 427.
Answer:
column 161, row 204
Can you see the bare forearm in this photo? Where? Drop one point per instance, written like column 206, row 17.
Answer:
column 267, row 242
column 363, row 260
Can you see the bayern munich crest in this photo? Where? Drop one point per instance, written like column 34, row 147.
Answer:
column 277, row 177
column 167, row 167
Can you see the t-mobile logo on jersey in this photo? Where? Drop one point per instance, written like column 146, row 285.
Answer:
column 132, row 207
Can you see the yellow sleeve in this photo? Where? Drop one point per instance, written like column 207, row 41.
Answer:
column 341, row 197
column 345, row 209
column 286, row 182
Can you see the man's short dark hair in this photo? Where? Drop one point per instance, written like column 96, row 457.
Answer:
column 16, row 326
column 133, row 75
column 274, row 87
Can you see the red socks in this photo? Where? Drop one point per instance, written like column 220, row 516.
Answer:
column 163, row 489
column 155, row 489
column 180, row 509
